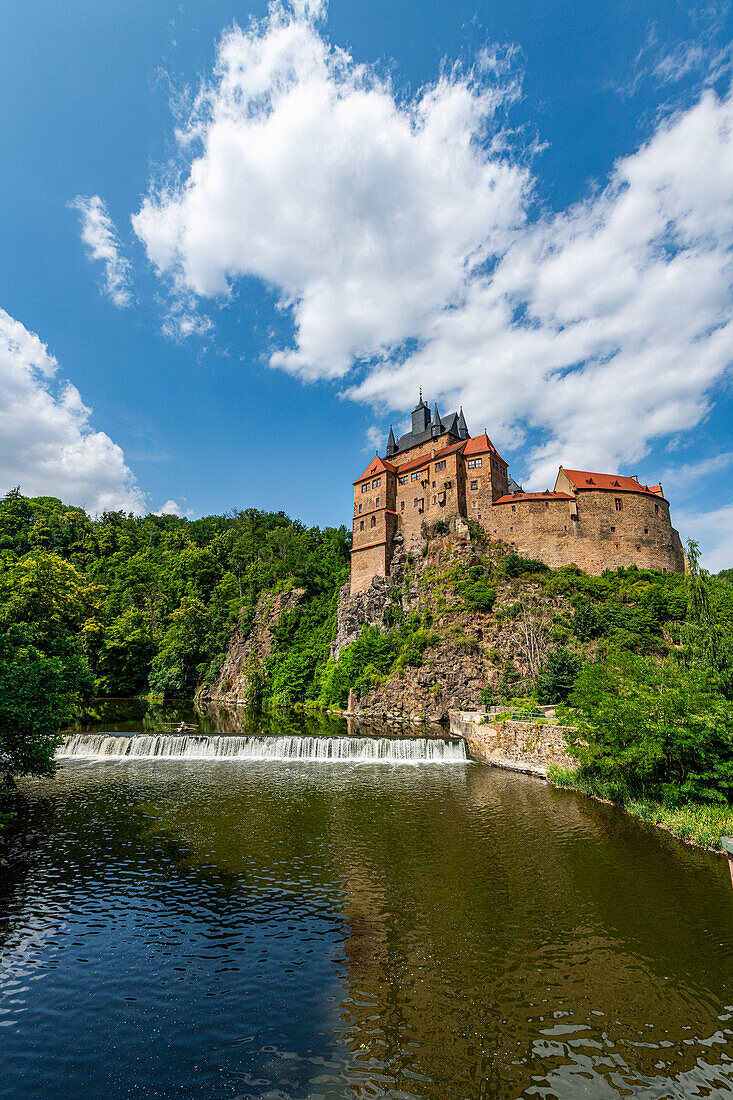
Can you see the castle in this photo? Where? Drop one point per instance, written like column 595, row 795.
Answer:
column 438, row 471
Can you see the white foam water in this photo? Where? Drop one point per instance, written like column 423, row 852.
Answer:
column 376, row 750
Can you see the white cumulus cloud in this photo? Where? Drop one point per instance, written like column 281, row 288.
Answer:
column 99, row 234
column 47, row 445
column 400, row 234
column 367, row 214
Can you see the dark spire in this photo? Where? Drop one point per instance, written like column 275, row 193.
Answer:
column 436, row 427
column 391, row 445
column 462, row 427
column 420, row 416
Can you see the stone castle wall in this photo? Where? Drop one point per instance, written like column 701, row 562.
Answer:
column 590, row 532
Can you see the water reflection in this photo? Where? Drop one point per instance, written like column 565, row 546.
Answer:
column 144, row 716
column 300, row 931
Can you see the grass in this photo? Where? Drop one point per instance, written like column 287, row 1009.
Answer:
column 696, row 823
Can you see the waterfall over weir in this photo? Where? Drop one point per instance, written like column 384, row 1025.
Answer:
column 376, row 750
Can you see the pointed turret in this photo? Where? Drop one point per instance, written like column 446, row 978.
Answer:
column 462, row 426
column 420, row 417
column 391, row 444
column 436, row 427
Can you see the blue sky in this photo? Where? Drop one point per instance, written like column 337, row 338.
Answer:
column 237, row 238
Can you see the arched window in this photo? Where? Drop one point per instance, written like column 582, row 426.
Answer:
column 374, row 521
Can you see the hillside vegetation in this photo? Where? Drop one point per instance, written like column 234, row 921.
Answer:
column 120, row 605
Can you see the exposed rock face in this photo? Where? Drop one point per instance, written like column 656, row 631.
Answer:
column 450, row 679
column 363, row 607
column 248, row 650
column 475, row 648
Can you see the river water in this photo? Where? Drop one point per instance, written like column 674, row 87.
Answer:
column 315, row 928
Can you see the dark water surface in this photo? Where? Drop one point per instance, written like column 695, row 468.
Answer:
column 304, row 930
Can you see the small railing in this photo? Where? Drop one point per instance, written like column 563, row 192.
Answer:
column 511, row 715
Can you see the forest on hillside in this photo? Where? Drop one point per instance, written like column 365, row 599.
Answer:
column 126, row 605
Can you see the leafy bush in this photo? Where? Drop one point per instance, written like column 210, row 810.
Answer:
column 515, row 565
column 557, row 677
column 652, row 728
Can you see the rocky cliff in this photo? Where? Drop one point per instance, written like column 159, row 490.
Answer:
column 248, row 649
column 473, row 649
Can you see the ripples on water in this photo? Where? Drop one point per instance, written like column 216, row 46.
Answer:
column 279, row 930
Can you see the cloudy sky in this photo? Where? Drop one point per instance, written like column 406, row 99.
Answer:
column 238, row 238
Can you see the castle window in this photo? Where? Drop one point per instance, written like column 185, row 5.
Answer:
column 374, row 521
column 474, row 463
column 511, row 528
column 566, row 526
column 619, row 504
column 376, row 483
column 415, row 502
column 377, row 502
column 474, row 484
column 514, row 507
column 402, row 480
column 656, row 512
column 361, row 525
column 439, row 466
column 547, row 504
column 415, row 476
column 613, row 530
column 365, row 487
column 402, row 505
column 646, row 530
column 435, row 500
column 360, row 507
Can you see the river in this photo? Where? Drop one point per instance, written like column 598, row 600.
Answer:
column 294, row 929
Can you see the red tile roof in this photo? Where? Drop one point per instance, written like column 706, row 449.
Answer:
column 480, row 444
column 514, row 497
column 585, row 479
column 376, row 466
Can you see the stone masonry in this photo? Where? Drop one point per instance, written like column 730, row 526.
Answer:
column 437, row 472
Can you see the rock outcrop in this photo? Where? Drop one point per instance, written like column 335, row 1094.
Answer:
column 367, row 607
column 473, row 649
column 248, row 649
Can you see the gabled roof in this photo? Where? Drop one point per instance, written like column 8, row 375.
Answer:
column 376, row 466
column 512, row 498
column 585, row 479
column 481, row 444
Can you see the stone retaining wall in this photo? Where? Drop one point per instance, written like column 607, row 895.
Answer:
column 520, row 746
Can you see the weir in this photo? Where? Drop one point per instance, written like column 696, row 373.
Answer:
column 375, row 750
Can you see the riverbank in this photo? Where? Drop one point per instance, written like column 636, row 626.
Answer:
column 539, row 749
column 697, row 824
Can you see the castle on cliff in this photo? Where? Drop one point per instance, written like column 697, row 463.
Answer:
column 438, row 471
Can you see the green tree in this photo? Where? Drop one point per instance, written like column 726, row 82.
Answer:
column 38, row 695
column 652, row 728
column 557, row 676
